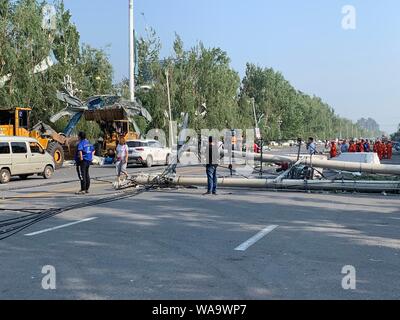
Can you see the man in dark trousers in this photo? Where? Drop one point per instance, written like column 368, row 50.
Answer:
column 84, row 158
column 212, row 157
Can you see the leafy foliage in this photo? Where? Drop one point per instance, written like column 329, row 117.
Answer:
column 200, row 78
column 203, row 76
column 24, row 43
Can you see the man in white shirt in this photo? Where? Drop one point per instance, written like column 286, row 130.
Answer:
column 311, row 146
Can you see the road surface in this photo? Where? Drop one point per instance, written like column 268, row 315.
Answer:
column 179, row 244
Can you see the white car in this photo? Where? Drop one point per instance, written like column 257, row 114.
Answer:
column 148, row 153
column 274, row 144
column 23, row 157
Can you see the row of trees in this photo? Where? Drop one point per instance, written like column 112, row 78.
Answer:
column 396, row 136
column 370, row 125
column 201, row 79
column 26, row 40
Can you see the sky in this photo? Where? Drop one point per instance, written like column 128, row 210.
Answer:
column 356, row 71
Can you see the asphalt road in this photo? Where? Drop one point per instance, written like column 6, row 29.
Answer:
column 179, row 244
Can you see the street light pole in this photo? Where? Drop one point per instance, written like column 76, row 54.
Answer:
column 171, row 136
column 131, row 53
column 254, row 110
column 256, row 128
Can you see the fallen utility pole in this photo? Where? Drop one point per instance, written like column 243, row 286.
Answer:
column 287, row 184
column 326, row 164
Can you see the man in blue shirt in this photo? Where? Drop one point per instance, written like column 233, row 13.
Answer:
column 344, row 147
column 83, row 159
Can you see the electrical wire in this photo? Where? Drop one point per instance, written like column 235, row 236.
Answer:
column 16, row 225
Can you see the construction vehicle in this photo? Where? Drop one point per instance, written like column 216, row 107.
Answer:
column 113, row 114
column 113, row 124
column 15, row 122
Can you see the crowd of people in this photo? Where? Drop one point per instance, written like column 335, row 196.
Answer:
column 384, row 149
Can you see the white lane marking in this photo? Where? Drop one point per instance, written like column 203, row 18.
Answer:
column 59, row 227
column 245, row 245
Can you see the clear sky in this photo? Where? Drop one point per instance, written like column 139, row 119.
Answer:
column 356, row 71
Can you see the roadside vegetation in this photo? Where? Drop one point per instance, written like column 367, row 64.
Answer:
column 201, row 79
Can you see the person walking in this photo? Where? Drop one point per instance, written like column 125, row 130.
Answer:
column 122, row 159
column 84, row 158
column 212, row 158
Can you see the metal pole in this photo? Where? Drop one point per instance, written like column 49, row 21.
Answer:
column 389, row 169
column 328, row 185
column 261, row 163
column 299, row 150
column 254, row 110
column 171, row 136
column 131, row 53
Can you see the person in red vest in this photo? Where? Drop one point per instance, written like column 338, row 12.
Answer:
column 376, row 144
column 256, row 148
column 360, row 146
column 389, row 148
column 333, row 151
column 353, row 147
column 384, row 150
column 380, row 149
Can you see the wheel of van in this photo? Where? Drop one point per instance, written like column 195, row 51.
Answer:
column 5, row 176
column 57, row 152
column 48, row 172
column 149, row 161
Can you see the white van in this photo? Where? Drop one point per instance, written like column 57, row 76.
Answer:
column 23, row 157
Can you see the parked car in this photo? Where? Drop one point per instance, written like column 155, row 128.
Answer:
column 266, row 149
column 23, row 157
column 148, row 153
column 274, row 144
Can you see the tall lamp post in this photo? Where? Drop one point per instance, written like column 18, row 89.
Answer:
column 171, row 136
column 131, row 53
column 256, row 121
column 280, row 128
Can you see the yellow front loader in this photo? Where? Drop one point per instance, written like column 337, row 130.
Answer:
column 15, row 122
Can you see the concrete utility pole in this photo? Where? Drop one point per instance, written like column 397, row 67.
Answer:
column 256, row 128
column 171, row 135
column 131, row 52
column 254, row 111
